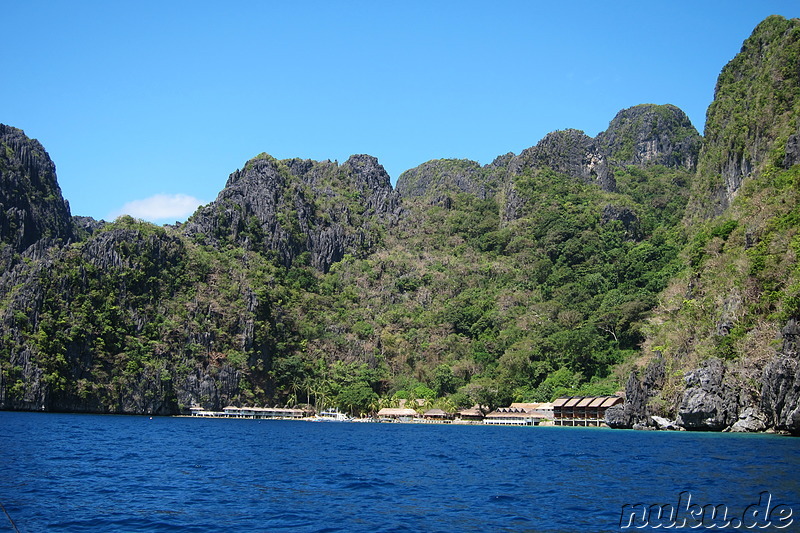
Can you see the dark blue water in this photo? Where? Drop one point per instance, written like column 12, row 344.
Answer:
column 77, row 473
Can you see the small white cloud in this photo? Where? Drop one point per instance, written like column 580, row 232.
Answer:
column 160, row 208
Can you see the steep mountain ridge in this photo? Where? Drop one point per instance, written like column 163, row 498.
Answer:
column 643, row 135
column 445, row 176
column 650, row 134
column 569, row 152
column 752, row 116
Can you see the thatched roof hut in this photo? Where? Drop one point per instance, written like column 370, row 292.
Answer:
column 473, row 413
column 436, row 414
column 399, row 413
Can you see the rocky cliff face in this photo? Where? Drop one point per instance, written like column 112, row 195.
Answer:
column 288, row 208
column 129, row 321
column 753, row 113
column 641, row 136
column 639, row 390
column 31, row 205
column 780, row 391
column 569, row 152
column 713, row 400
column 710, row 402
column 138, row 319
column 651, row 134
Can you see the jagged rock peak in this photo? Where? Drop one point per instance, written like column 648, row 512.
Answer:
column 364, row 172
column 443, row 176
column 31, row 205
column 260, row 164
column 569, row 152
column 289, row 207
column 369, row 171
column 502, row 161
column 652, row 134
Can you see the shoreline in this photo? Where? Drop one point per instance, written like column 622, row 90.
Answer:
column 768, row 431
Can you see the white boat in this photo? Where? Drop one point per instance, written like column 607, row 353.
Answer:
column 331, row 415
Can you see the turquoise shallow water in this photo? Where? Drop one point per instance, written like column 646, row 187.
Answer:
column 78, row 473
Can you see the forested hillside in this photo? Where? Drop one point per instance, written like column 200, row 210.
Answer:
column 560, row 270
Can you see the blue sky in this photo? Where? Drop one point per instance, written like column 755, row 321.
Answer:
column 146, row 107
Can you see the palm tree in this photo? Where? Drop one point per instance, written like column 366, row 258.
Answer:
column 294, row 387
column 291, row 401
column 427, row 403
column 447, row 405
column 386, row 402
column 375, row 405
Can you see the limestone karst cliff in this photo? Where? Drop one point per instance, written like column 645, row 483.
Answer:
column 31, row 206
column 300, row 206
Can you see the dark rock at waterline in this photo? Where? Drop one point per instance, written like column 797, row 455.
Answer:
column 780, row 392
column 661, row 423
column 709, row 402
column 638, row 391
column 751, row 420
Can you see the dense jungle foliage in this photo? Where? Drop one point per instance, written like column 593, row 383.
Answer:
column 457, row 305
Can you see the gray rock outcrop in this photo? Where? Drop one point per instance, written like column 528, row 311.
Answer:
column 626, row 216
column 650, row 134
column 569, row 152
column 751, row 420
column 638, row 392
column 780, row 392
column 31, row 205
column 664, row 424
column 287, row 208
column 792, row 151
column 444, row 176
column 709, row 402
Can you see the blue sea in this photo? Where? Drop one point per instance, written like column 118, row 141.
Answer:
column 81, row 473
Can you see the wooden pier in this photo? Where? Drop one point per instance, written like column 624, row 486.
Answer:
column 274, row 413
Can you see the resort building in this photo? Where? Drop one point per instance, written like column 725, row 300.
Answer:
column 511, row 416
column 520, row 414
column 437, row 415
column 397, row 414
column 540, row 409
column 473, row 414
column 582, row 410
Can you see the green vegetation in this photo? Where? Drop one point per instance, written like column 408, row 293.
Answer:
column 459, row 305
column 471, row 307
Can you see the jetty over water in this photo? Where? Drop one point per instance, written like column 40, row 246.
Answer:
column 520, row 414
column 275, row 413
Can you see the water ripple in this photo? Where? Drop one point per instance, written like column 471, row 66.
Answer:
column 78, row 473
